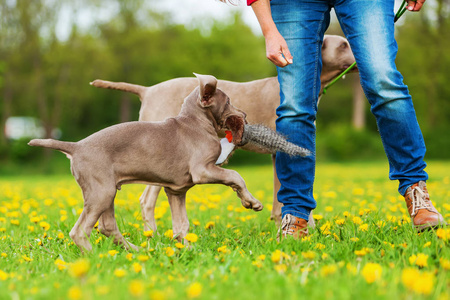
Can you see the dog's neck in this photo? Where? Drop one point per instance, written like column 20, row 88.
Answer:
column 192, row 110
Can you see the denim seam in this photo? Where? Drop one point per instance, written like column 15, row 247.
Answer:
column 296, row 214
column 364, row 87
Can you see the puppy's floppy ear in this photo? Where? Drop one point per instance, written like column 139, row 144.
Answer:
column 236, row 125
column 208, row 86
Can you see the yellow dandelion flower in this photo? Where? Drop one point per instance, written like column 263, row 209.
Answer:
column 281, row 268
column 223, row 249
column 148, row 233
column 179, row 245
column 445, row 263
column 169, row 234
column 354, row 239
column 357, row 220
column 137, row 267
column 346, row 214
column 79, row 268
column 381, row 224
column 26, row 258
column 257, row 263
column 4, row 254
column 325, row 256
column 210, row 225
column 309, row 255
column 74, row 293
column 60, row 264
column 143, row 244
column 3, row 275
column 136, row 288
column 340, row 221
column 194, row 290
column 319, row 246
column 143, row 258
column 157, row 295
column 361, row 252
column 443, row 234
column 317, row 217
column 44, row 225
column 196, row 223
column 262, row 257
column 119, row 273
column 113, row 252
column 427, row 244
column 129, row 256
column 276, row 256
column 364, row 227
column 191, row 237
column 60, row 235
column 351, row 269
column 418, row 282
column 328, row 270
column 372, row 272
column 328, row 208
column 169, row 251
column 422, row 260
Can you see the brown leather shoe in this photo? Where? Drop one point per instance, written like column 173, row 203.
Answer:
column 292, row 226
column 423, row 214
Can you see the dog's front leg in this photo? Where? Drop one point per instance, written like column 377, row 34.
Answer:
column 215, row 174
column 180, row 221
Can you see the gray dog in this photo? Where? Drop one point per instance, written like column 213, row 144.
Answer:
column 259, row 99
column 175, row 154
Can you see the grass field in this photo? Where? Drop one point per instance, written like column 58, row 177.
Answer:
column 363, row 247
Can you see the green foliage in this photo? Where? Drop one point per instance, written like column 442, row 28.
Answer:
column 46, row 77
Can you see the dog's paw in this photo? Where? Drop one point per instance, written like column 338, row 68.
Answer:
column 257, row 206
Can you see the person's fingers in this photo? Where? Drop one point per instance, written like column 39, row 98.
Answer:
column 415, row 5
column 278, row 59
column 287, row 54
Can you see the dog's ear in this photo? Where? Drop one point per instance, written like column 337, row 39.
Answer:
column 208, row 86
column 236, row 125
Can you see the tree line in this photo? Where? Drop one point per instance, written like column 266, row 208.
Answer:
column 44, row 76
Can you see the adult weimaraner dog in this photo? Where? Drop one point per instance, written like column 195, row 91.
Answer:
column 137, row 152
column 259, row 99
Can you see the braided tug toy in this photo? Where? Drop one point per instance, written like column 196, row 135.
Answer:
column 260, row 136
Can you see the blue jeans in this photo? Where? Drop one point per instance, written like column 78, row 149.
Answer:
column 369, row 28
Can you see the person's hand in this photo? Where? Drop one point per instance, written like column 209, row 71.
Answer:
column 415, row 5
column 277, row 50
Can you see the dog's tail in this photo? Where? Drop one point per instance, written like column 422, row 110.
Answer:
column 122, row 86
column 67, row 148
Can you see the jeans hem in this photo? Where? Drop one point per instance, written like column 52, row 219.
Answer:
column 296, row 214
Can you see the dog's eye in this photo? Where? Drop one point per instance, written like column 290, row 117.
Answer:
column 343, row 45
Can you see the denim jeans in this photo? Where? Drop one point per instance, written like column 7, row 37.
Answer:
column 369, row 28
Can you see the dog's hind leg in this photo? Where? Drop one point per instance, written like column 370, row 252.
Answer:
column 148, row 203
column 108, row 226
column 180, row 221
column 96, row 202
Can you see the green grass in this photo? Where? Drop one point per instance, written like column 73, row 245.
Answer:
column 333, row 263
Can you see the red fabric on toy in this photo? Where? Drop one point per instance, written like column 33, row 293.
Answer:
column 229, row 135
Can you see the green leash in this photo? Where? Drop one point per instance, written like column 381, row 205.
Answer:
column 399, row 13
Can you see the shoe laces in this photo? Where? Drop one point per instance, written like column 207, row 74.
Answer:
column 419, row 200
column 286, row 226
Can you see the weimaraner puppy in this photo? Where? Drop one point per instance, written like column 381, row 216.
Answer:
column 259, row 99
column 175, row 154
